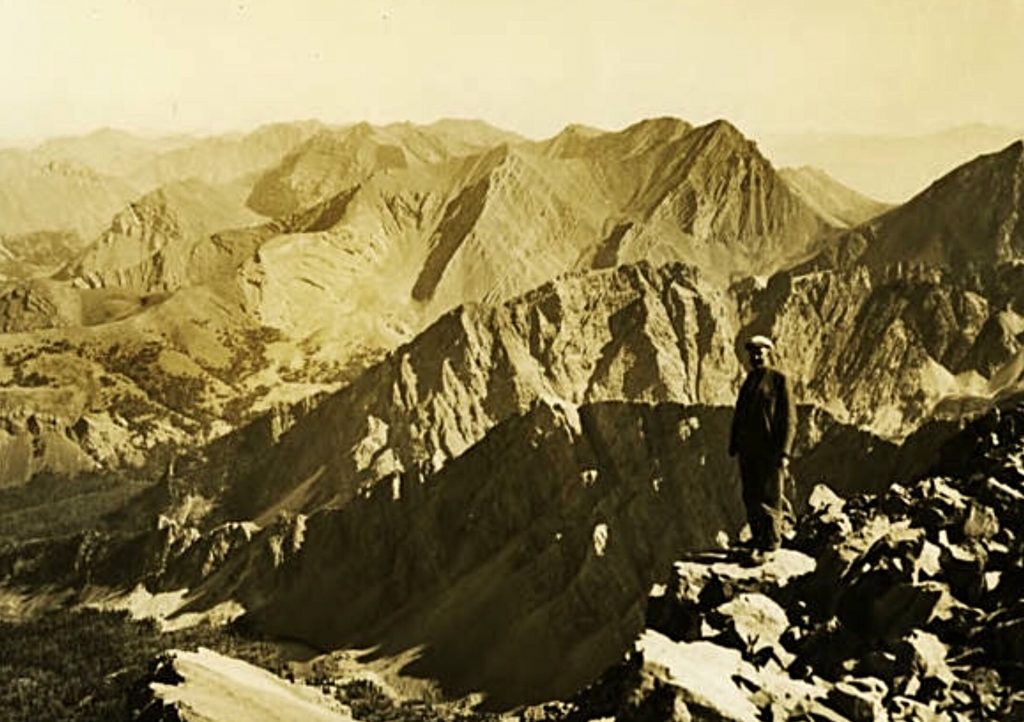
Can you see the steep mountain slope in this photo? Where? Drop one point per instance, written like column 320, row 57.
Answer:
column 659, row 190
column 151, row 245
column 970, row 216
column 839, row 205
column 632, row 333
column 881, row 354
column 711, row 199
column 336, row 160
column 890, row 168
column 223, row 159
column 518, row 547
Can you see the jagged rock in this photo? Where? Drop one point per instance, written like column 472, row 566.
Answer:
column 825, row 519
column 882, row 664
column 205, row 686
column 701, row 675
column 923, row 654
column 1003, row 640
column 752, row 622
column 929, row 562
column 982, row 686
column 860, row 699
column 715, row 683
column 963, row 565
column 981, row 522
column 778, row 570
column 939, row 506
column 711, row 581
column 899, row 627
column 905, row 709
column 881, row 596
column 898, row 609
column 675, row 611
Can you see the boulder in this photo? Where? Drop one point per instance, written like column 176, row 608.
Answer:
column 929, row 561
column 884, row 603
column 963, row 566
column 905, row 709
column 699, row 677
column 711, row 682
column 752, row 622
column 923, row 654
column 981, row 522
column 939, row 505
column 860, row 699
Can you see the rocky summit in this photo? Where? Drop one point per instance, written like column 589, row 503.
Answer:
column 375, row 422
column 903, row 605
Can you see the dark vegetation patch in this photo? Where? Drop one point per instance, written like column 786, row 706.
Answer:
column 370, row 703
column 52, row 506
column 85, row 665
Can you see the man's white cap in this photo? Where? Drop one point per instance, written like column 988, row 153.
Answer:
column 760, row 342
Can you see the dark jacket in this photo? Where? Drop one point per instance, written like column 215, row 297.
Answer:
column 764, row 422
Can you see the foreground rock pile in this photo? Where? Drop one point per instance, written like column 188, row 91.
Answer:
column 902, row 606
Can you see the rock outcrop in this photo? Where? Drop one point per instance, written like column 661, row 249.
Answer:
column 151, row 246
column 632, row 333
column 204, row 686
column 898, row 606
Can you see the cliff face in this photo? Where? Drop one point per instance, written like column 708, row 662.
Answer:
column 631, row 334
column 535, row 545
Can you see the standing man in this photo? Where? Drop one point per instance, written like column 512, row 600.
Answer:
column 763, row 427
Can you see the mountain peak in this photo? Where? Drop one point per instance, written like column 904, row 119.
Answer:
column 723, row 131
column 663, row 127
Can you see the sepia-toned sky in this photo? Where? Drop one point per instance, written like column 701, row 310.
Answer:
column 871, row 66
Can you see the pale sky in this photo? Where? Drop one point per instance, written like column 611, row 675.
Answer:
column 898, row 66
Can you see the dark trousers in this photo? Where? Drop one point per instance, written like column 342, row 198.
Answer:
column 764, row 496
